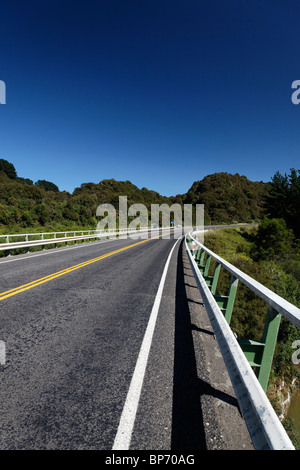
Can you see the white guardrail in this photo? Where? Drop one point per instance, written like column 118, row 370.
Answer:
column 50, row 238
column 265, row 428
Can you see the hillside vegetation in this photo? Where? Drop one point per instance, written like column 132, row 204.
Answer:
column 41, row 206
column 25, row 205
column 227, row 198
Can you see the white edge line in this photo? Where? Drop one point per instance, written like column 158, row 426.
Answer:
column 124, row 432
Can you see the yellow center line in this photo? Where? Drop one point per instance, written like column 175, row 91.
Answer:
column 42, row 280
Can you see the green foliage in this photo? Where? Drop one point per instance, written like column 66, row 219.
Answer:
column 234, row 245
column 249, row 311
column 229, row 241
column 25, row 180
column 272, row 240
column 283, row 199
column 24, row 205
column 8, row 168
column 227, row 198
column 108, row 191
column 288, row 424
column 47, row 185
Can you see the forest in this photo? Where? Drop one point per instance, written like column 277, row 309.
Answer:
column 41, row 206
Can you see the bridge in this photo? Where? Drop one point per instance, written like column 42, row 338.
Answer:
column 121, row 343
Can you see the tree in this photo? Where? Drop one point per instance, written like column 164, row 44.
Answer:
column 47, row 185
column 283, row 199
column 42, row 214
column 8, row 168
column 272, row 239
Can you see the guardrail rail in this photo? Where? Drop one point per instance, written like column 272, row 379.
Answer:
column 54, row 238
column 242, row 358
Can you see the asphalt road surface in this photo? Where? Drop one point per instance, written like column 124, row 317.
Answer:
column 73, row 321
column 108, row 347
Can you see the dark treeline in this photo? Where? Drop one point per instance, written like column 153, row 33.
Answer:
column 27, row 205
column 227, row 198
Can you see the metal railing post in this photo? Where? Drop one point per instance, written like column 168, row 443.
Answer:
column 269, row 338
column 260, row 353
column 215, row 278
column 226, row 302
column 200, row 263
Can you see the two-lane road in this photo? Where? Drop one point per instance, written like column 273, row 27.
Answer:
column 73, row 321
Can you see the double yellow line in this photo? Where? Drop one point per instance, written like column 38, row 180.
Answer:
column 42, row 280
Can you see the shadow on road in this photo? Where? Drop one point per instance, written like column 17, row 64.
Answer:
column 187, row 425
column 190, row 391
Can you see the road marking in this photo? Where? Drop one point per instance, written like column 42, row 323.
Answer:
column 124, row 432
column 50, row 251
column 42, row 280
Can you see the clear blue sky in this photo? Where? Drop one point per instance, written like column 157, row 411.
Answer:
column 157, row 92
